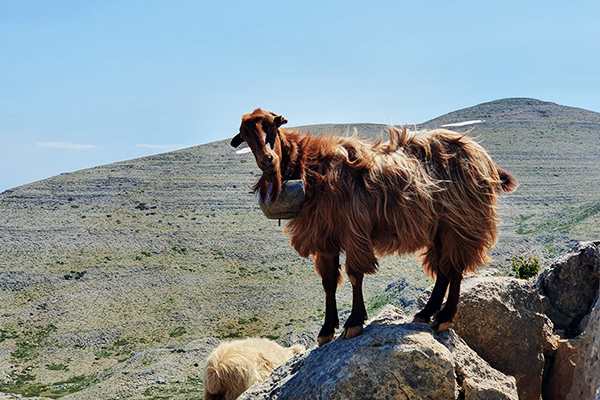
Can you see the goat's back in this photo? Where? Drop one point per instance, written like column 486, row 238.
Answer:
column 390, row 198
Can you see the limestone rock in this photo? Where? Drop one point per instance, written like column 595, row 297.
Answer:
column 570, row 286
column 479, row 380
column 569, row 289
column 391, row 359
column 560, row 378
column 501, row 319
column 586, row 376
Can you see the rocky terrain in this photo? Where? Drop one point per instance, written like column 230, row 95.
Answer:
column 511, row 340
column 116, row 281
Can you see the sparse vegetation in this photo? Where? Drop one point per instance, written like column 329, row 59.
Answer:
column 179, row 331
column 525, row 267
column 29, row 340
column 377, row 302
column 23, row 383
column 57, row 367
column 74, row 275
column 7, row 333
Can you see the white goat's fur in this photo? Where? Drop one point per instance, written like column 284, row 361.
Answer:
column 235, row 366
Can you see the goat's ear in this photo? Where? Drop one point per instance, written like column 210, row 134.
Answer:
column 279, row 120
column 237, row 140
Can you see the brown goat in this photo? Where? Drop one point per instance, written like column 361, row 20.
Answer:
column 433, row 193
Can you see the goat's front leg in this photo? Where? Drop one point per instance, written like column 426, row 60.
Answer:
column 328, row 268
column 354, row 325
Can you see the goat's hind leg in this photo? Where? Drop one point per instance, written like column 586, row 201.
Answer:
column 443, row 319
column 435, row 300
column 354, row 325
column 328, row 269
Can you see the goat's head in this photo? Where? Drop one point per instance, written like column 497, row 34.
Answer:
column 260, row 130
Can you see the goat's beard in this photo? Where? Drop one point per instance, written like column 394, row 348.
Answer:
column 268, row 186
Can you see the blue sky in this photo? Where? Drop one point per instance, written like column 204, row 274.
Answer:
column 85, row 83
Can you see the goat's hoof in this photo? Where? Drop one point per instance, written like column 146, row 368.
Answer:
column 325, row 339
column 352, row 332
column 443, row 327
column 420, row 319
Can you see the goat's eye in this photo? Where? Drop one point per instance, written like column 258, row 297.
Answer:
column 271, row 138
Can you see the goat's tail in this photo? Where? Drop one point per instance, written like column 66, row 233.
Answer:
column 509, row 182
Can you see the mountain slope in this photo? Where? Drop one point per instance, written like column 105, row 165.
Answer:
column 104, row 263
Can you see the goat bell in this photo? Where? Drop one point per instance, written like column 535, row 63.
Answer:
column 289, row 203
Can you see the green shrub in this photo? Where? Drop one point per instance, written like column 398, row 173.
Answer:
column 180, row 331
column 525, row 268
column 57, row 367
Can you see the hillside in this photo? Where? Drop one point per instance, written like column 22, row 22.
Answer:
column 154, row 253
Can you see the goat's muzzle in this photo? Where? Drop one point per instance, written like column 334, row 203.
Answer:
column 268, row 164
column 270, row 172
column 266, row 161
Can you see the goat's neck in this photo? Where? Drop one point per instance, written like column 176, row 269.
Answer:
column 291, row 162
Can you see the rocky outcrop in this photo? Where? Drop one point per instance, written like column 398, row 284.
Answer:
column 560, row 374
column 586, row 372
column 392, row 359
column 502, row 320
column 570, row 290
column 569, row 287
column 540, row 337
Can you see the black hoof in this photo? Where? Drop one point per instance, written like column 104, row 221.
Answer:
column 421, row 318
column 442, row 326
column 352, row 332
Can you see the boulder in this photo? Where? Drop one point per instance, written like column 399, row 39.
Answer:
column 501, row 319
column 569, row 287
column 391, row 359
column 586, row 374
column 560, row 377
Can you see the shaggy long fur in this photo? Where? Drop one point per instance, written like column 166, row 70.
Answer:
column 235, row 366
column 432, row 193
column 381, row 199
